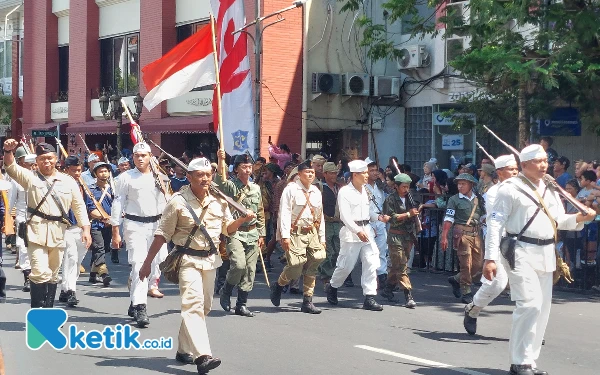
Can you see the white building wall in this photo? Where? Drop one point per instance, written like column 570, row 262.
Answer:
column 119, row 18
column 63, row 30
column 189, row 11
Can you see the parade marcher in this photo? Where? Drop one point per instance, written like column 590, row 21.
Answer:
column 506, row 167
column 101, row 229
column 317, row 162
column 486, row 173
column 530, row 213
column 193, row 219
column 302, row 235
column 333, row 224
column 18, row 200
column 244, row 245
column 179, row 179
column 376, row 199
column 88, row 176
column 400, row 214
column 138, row 206
column 357, row 238
column 463, row 213
column 123, row 165
column 75, row 249
column 268, row 181
column 50, row 194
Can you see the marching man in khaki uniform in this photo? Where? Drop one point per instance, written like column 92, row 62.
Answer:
column 50, row 195
column 302, row 235
column 193, row 219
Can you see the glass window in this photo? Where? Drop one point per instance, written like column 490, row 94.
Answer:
column 119, row 64
column 63, row 69
column 184, row 32
column 2, row 54
column 8, row 56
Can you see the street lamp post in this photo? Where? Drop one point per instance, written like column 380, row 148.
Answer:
column 257, row 40
column 116, row 112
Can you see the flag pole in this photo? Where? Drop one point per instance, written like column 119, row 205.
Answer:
column 222, row 167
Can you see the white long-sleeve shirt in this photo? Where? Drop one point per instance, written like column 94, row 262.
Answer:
column 291, row 203
column 136, row 194
column 354, row 206
column 511, row 211
column 17, row 198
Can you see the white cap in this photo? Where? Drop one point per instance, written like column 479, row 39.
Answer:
column 30, row 158
column 368, row 160
column 122, row 160
column 357, row 166
column 200, row 164
column 93, row 157
column 141, row 147
column 532, row 152
column 504, row 161
column 433, row 160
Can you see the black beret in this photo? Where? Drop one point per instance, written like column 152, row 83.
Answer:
column 242, row 159
column 307, row 164
column 43, row 148
column 72, row 161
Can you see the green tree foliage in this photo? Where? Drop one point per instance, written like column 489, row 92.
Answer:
column 5, row 109
column 528, row 56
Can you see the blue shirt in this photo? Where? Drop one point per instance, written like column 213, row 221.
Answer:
column 177, row 184
column 563, row 179
column 106, row 203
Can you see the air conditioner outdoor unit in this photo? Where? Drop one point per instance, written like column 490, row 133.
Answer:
column 460, row 9
column 412, row 57
column 326, row 83
column 385, row 86
column 356, row 84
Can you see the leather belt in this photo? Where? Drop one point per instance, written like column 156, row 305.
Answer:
column 247, row 228
column 194, row 252
column 329, row 219
column 398, row 231
column 143, row 219
column 362, row 222
column 533, row 241
column 302, row 230
column 34, row 212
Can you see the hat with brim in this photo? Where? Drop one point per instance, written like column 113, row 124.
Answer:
column 20, row 152
column 30, row 158
column 330, row 167
column 465, row 177
column 101, row 165
column 293, row 174
column 318, row 159
column 487, row 168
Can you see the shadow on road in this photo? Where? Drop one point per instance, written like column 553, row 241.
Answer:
column 155, row 364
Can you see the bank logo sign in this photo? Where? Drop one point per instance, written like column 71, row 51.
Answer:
column 45, row 326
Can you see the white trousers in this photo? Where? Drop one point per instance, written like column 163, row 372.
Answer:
column 138, row 237
column 491, row 289
column 369, row 257
column 22, row 249
column 381, row 242
column 72, row 257
column 531, row 289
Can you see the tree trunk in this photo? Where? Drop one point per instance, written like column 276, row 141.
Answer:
column 523, row 115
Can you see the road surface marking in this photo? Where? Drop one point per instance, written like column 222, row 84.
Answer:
column 419, row 360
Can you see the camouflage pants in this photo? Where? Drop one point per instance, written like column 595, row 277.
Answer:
column 399, row 251
column 332, row 239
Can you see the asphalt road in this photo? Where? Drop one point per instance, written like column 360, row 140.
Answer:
column 428, row 340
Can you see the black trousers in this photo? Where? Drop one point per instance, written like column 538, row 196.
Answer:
column 426, row 245
column 101, row 239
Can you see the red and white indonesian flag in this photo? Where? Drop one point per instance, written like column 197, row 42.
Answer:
column 189, row 65
column 234, row 77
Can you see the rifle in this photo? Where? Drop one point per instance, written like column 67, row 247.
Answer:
column 213, row 187
column 411, row 200
column 103, row 212
column 485, row 152
column 509, row 147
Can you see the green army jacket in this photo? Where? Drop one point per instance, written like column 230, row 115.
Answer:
column 393, row 206
column 252, row 200
column 459, row 209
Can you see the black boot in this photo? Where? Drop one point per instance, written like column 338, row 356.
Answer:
column 332, row 295
column 276, row 291
column 114, row 256
column 38, row 294
column 308, row 307
column 240, row 306
column 467, row 298
column 72, row 300
column 27, row 283
column 371, row 304
column 521, row 370
column 184, row 358
column 410, row 302
column 388, row 292
column 131, row 310
column 141, row 315
column 225, row 299
column 348, row 283
column 106, row 279
column 205, row 363
column 94, row 278
column 63, row 296
column 469, row 322
column 381, row 279
column 221, row 276
column 455, row 287
column 2, row 285
column 51, row 295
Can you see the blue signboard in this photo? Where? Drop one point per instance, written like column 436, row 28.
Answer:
column 563, row 122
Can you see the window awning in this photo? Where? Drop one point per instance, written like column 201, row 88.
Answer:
column 187, row 124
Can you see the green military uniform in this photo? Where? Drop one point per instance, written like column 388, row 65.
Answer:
column 465, row 213
column 242, row 247
column 401, row 238
column 333, row 224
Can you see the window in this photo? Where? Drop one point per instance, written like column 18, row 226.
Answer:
column 424, row 12
column 184, row 32
column 63, row 69
column 119, row 64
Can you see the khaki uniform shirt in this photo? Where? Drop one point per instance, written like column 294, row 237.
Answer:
column 393, row 207
column 252, row 200
column 459, row 209
column 47, row 232
column 176, row 223
column 293, row 200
